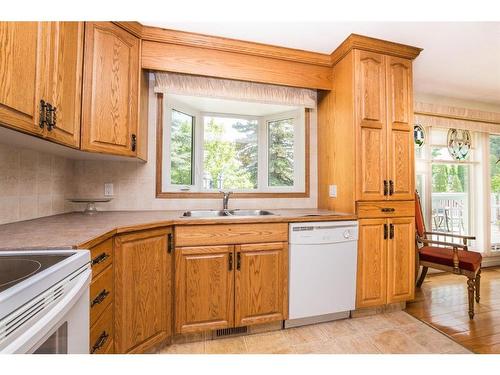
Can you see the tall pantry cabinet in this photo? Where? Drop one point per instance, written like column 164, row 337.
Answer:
column 366, row 121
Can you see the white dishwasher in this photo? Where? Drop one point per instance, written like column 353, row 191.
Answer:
column 323, row 261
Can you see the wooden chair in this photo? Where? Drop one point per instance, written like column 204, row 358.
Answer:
column 447, row 256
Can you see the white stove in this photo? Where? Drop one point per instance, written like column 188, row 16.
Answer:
column 44, row 301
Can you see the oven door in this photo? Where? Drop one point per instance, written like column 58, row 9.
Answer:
column 64, row 328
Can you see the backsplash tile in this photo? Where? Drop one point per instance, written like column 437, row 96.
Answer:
column 33, row 184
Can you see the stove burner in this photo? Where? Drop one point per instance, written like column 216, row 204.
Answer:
column 14, row 270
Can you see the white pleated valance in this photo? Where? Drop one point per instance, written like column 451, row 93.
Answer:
column 441, row 116
column 184, row 84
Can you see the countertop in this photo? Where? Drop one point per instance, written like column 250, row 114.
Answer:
column 76, row 230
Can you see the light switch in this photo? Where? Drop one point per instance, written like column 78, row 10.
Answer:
column 333, row 191
column 108, row 190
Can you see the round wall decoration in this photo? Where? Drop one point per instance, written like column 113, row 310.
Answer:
column 459, row 143
column 419, row 135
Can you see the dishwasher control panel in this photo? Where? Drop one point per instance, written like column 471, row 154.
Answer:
column 323, row 232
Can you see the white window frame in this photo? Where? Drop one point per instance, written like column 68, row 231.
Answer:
column 298, row 120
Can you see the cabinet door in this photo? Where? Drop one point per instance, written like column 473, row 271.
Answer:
column 204, row 288
column 371, row 125
column 65, row 86
column 21, row 71
column 401, row 260
column 261, row 283
column 400, row 128
column 142, row 290
column 110, row 89
column 372, row 257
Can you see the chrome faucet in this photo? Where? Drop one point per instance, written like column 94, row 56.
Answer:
column 225, row 199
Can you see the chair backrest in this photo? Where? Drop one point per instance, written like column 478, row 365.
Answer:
column 419, row 217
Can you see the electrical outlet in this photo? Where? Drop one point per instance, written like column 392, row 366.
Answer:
column 332, row 191
column 108, row 190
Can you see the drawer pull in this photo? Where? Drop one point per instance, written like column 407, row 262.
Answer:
column 100, row 342
column 387, row 209
column 100, row 258
column 99, row 298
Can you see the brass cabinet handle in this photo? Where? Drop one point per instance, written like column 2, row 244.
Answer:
column 391, row 231
column 134, row 142
column 386, row 188
column 391, row 187
column 100, row 258
column 238, row 261
column 99, row 298
column 387, row 209
column 100, row 342
column 230, row 261
column 42, row 118
column 170, row 243
column 51, row 114
column 385, row 231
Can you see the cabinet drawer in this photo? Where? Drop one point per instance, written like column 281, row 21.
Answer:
column 101, row 333
column 101, row 293
column 229, row 234
column 384, row 209
column 102, row 256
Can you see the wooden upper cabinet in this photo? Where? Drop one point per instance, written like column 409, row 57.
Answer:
column 143, row 272
column 401, row 260
column 22, row 64
column 372, row 258
column 370, row 88
column 371, row 124
column 65, row 81
column 204, row 285
column 384, row 115
column 110, row 90
column 261, row 283
column 400, row 128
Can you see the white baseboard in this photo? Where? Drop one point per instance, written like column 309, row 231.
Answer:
column 491, row 261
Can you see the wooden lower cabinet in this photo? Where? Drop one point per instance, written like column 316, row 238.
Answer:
column 204, row 285
column 225, row 286
column 401, row 260
column 386, row 261
column 372, row 261
column 143, row 307
column 261, row 283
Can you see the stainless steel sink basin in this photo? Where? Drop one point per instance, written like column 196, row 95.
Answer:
column 213, row 213
column 204, row 213
column 250, row 212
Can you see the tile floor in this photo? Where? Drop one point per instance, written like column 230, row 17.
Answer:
column 395, row 333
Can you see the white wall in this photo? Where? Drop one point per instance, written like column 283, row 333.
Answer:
column 134, row 182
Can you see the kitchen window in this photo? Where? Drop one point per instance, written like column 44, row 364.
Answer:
column 218, row 144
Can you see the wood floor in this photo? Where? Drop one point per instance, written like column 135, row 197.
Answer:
column 442, row 303
column 389, row 333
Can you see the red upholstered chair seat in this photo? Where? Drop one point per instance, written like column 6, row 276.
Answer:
column 468, row 260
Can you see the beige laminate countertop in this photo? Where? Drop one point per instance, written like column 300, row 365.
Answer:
column 78, row 230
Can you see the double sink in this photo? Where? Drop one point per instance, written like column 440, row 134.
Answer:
column 214, row 213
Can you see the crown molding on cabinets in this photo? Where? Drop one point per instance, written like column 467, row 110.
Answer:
column 156, row 34
column 366, row 43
